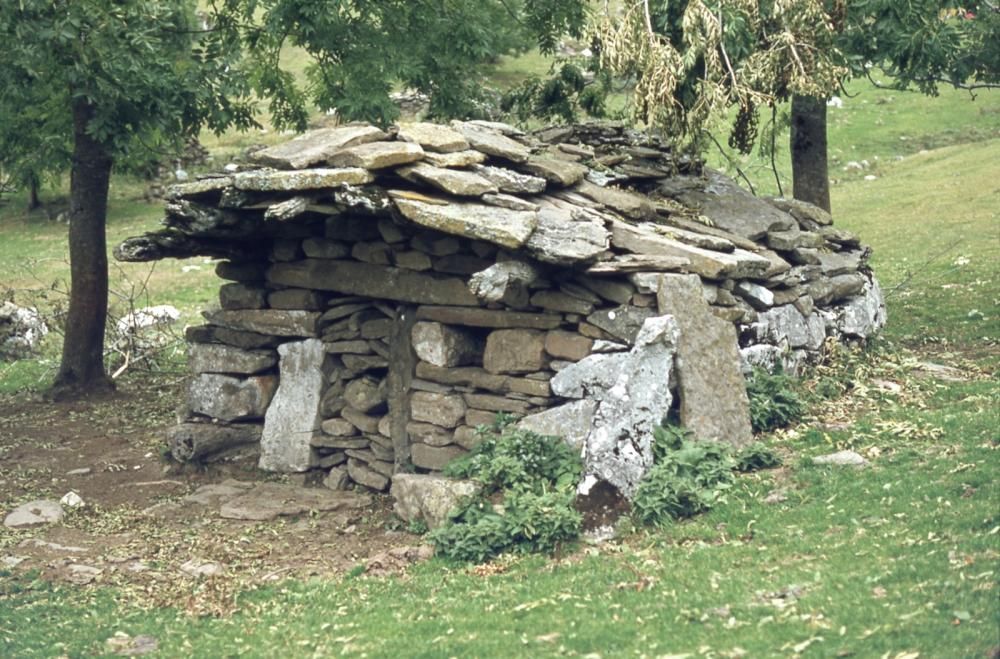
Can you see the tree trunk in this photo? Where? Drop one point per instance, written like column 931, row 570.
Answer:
column 33, row 200
column 810, row 177
column 82, row 368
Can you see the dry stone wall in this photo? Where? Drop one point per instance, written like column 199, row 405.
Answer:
column 387, row 292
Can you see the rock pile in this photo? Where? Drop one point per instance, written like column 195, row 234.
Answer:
column 21, row 329
column 390, row 291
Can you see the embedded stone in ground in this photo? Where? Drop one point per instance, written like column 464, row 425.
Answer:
column 270, row 500
column 429, row 498
column 34, row 513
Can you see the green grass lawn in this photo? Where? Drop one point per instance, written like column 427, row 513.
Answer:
column 900, row 559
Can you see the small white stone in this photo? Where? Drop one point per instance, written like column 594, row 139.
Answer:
column 71, row 500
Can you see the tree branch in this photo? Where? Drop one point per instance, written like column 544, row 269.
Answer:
column 732, row 162
column 774, row 165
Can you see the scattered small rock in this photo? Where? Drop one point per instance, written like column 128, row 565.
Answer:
column 83, row 471
column 71, row 500
column 216, row 493
column 599, row 535
column 940, row 372
column 82, row 575
column 198, row 568
column 123, row 645
column 51, row 546
column 888, row 385
column 34, row 513
column 396, row 560
column 841, row 459
column 776, row 496
column 12, row 561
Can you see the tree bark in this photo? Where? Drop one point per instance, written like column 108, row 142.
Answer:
column 81, row 370
column 33, row 200
column 810, row 175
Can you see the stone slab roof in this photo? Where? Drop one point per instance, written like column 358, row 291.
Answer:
column 596, row 197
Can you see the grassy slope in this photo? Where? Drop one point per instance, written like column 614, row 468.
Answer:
column 901, row 557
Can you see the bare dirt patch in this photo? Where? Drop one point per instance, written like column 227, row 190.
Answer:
column 138, row 528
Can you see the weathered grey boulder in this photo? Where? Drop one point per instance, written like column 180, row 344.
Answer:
column 514, row 351
column 452, row 181
column 560, row 172
column 863, row 315
column 434, row 457
column 294, row 415
column 442, row 345
column 467, row 158
column 229, row 398
column 21, row 329
column 632, row 393
column 563, row 238
column 312, row 179
column 841, row 459
column 623, row 323
column 360, row 472
column 377, row 155
column 445, row 410
column 210, row 442
column 711, row 386
column 34, row 513
column 365, row 393
column 433, row 137
column 238, row 295
column 316, row 146
column 270, row 500
column 477, row 221
column 730, row 207
column 430, row 434
column 510, row 181
column 571, row 422
column 221, row 358
column 567, row 345
column 506, row 281
column 492, row 144
column 266, row 321
column 786, row 322
column 429, row 498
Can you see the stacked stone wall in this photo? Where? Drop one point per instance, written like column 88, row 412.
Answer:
column 388, row 293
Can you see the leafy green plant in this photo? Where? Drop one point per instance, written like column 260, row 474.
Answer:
column 533, row 479
column 756, row 456
column 688, row 476
column 526, row 522
column 508, row 458
column 774, row 400
column 417, row 527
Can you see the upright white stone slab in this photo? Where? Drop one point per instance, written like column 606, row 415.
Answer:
column 632, row 395
column 293, row 416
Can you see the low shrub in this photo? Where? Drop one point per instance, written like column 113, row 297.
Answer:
column 689, row 476
column 756, row 456
column 525, row 522
column 774, row 400
column 511, row 459
column 529, row 483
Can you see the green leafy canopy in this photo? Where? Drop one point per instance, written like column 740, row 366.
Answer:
column 150, row 73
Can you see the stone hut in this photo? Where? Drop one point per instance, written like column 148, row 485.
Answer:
column 389, row 291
